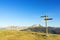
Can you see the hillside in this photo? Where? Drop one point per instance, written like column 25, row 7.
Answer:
column 41, row 29
column 26, row 35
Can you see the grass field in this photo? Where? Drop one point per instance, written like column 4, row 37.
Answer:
column 26, row 35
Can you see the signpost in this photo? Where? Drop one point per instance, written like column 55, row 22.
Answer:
column 46, row 22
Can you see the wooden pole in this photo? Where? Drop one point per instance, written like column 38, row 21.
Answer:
column 46, row 22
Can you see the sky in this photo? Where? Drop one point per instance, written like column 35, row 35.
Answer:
column 28, row 12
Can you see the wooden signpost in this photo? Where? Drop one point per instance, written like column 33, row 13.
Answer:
column 46, row 23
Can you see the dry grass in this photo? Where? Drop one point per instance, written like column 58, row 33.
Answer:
column 25, row 35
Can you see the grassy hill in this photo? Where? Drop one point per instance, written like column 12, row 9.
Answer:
column 26, row 35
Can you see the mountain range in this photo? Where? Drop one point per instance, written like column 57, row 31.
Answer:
column 34, row 28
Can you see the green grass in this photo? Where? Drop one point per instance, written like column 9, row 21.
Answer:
column 26, row 35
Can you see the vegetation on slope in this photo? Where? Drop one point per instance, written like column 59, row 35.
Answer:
column 41, row 29
column 26, row 35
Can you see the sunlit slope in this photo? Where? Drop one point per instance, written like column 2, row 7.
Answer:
column 24, row 35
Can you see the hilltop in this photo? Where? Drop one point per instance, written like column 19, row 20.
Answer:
column 26, row 35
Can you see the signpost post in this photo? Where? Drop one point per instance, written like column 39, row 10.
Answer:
column 46, row 23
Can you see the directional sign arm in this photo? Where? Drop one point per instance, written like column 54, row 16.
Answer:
column 48, row 19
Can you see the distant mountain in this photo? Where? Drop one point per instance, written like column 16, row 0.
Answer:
column 34, row 28
column 16, row 27
column 40, row 28
column 37, row 25
column 57, row 30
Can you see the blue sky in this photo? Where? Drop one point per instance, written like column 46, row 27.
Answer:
column 28, row 12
